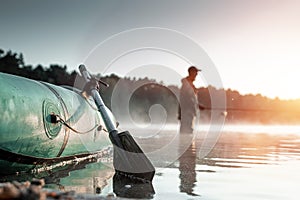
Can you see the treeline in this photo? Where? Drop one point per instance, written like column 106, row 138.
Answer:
column 13, row 63
column 143, row 100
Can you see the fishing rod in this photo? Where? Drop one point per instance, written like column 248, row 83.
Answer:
column 247, row 109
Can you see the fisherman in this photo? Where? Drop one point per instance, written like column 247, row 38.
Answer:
column 188, row 101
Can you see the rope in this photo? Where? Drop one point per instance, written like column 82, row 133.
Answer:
column 76, row 131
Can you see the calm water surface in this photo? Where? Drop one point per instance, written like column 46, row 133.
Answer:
column 247, row 162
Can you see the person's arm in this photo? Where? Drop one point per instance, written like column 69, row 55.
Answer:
column 200, row 105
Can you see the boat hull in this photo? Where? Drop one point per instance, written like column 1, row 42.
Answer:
column 27, row 128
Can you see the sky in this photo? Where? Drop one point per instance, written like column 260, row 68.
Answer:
column 253, row 45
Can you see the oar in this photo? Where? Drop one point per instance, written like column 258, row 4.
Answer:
column 129, row 159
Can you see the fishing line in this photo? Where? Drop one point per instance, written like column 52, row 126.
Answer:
column 249, row 110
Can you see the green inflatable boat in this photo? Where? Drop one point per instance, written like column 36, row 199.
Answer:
column 42, row 124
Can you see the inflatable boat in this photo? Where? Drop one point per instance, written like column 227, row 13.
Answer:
column 42, row 124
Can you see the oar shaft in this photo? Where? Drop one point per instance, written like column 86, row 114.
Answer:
column 103, row 111
column 99, row 102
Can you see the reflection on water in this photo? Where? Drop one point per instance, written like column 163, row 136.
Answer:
column 130, row 187
column 187, row 166
column 242, row 165
column 246, row 150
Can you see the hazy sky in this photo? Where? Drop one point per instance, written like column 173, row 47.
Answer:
column 254, row 44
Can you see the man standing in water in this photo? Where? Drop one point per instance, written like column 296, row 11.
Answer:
column 188, row 105
column 188, row 101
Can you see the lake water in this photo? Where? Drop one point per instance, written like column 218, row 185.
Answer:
column 242, row 162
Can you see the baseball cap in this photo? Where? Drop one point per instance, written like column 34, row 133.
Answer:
column 193, row 69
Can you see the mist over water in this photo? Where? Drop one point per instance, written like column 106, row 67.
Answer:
column 243, row 128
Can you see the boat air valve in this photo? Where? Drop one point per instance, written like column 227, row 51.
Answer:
column 54, row 119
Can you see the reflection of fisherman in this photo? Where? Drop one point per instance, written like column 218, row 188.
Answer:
column 188, row 101
column 187, row 165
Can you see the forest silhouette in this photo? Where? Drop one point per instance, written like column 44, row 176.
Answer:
column 241, row 108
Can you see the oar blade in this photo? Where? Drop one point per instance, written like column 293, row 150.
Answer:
column 130, row 160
